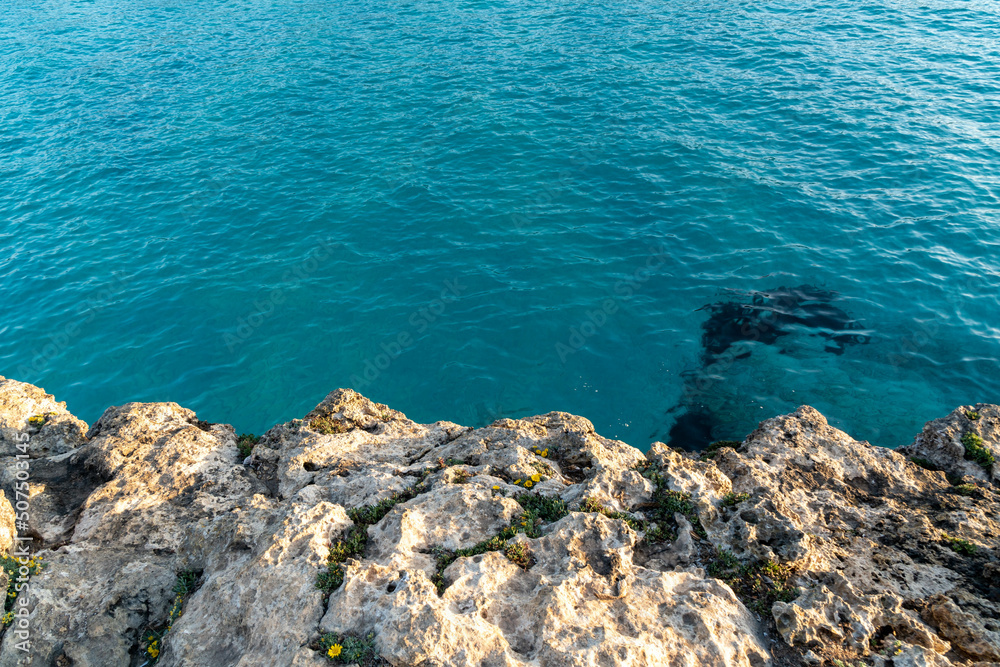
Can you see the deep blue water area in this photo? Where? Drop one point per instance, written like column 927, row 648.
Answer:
column 672, row 215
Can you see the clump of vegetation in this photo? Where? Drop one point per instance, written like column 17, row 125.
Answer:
column 347, row 649
column 594, row 505
column 546, row 508
column 12, row 567
column 385, row 416
column 713, row 449
column 353, row 544
column 841, row 663
column 461, row 476
column 966, row 489
column 518, row 554
column 544, row 453
column 245, row 443
column 759, row 585
column 542, row 468
column 329, row 425
column 733, row 499
column 39, row 420
column 666, row 503
column 538, row 509
column 972, row 414
column 924, row 463
column 152, row 639
column 959, row 545
column 496, row 543
column 975, row 451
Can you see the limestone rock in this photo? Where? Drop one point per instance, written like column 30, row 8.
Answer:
column 940, row 443
column 962, row 629
column 461, row 546
column 34, row 419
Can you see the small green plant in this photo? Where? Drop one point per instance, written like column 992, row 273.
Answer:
column 661, row 523
column 594, row 505
column 975, row 451
column 518, row 554
column 461, row 476
column 245, row 443
column 544, row 453
column 353, row 544
column 924, row 463
column 713, row 449
column 733, row 499
column 546, row 508
column 542, row 468
column 892, row 649
column 385, row 416
column 972, row 414
column 959, row 545
column 328, row 425
column 966, row 489
column 152, row 638
column 347, row 649
column 759, row 585
column 723, row 563
column 676, row 502
column 538, row 509
column 12, row 566
column 39, row 420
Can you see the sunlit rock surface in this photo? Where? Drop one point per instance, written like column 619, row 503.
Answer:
column 527, row 542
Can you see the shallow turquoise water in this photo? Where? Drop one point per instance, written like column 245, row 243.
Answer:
column 242, row 206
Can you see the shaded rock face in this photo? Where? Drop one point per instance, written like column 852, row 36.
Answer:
column 530, row 542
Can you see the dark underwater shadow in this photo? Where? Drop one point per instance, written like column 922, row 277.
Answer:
column 729, row 335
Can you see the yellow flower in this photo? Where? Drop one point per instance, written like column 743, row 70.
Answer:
column 528, row 484
column 517, row 481
column 153, row 652
column 545, row 452
column 334, row 650
column 536, row 478
column 496, row 488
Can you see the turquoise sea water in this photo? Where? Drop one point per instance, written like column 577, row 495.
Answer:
column 499, row 208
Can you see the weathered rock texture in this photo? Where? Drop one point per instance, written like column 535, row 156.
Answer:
column 801, row 546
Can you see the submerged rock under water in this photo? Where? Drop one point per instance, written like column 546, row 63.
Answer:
column 765, row 317
column 527, row 543
column 773, row 314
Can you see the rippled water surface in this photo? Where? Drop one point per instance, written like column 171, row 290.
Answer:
column 478, row 209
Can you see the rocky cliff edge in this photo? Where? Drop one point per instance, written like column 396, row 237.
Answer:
column 354, row 535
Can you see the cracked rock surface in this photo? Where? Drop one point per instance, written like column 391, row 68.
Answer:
column 528, row 542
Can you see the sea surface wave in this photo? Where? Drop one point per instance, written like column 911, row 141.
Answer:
column 469, row 210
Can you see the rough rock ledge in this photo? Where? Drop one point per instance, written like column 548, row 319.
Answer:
column 355, row 534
